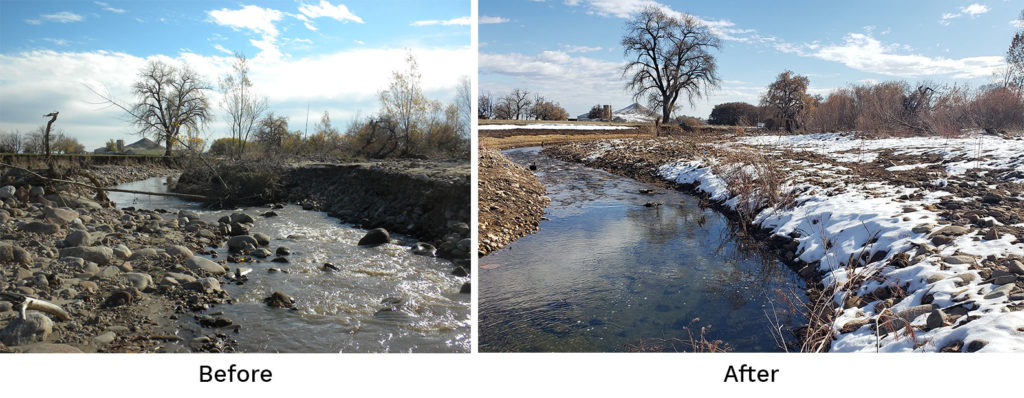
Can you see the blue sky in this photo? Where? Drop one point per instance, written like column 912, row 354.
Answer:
column 569, row 51
column 333, row 55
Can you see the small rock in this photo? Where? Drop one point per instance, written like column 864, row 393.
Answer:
column 991, row 235
column 261, row 253
column 77, row 238
column 279, row 259
column 146, row 254
column 241, row 218
column 375, row 237
column 283, row 251
column 459, row 271
column 1000, row 291
column 465, row 289
column 105, row 338
column 38, row 227
column 330, row 267
column 178, row 251
column 7, row 192
column 198, row 263
column 242, row 242
column 1016, row 267
column 139, row 280
column 98, row 254
column 204, row 285
column 424, row 249
column 279, row 300
column 10, row 254
column 936, row 319
column 959, row 259
column 976, row 345
column 109, row 272
column 59, row 216
column 261, row 238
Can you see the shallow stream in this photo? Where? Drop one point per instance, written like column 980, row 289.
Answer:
column 607, row 273
column 337, row 311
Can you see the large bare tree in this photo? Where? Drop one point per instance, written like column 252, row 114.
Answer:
column 668, row 55
column 169, row 99
column 244, row 107
column 514, row 105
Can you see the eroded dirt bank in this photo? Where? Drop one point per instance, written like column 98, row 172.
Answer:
column 426, row 199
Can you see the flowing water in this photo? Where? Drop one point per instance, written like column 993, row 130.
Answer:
column 606, row 273
column 338, row 311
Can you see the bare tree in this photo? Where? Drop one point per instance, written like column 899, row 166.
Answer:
column 485, row 106
column 11, row 142
column 668, row 56
column 169, row 99
column 243, row 106
column 272, row 131
column 516, row 104
column 464, row 106
column 404, row 104
column 787, row 97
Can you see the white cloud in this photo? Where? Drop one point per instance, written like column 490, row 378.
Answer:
column 257, row 19
column 461, row 21
column 972, row 10
column 222, row 49
column 344, row 82
column 359, row 42
column 569, row 48
column 59, row 42
column 62, row 17
column 1018, row 23
column 865, row 53
column 325, row 9
column 483, row 20
column 107, row 7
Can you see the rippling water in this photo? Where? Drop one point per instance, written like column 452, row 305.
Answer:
column 606, row 272
column 340, row 310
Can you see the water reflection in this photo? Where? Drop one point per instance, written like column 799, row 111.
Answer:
column 606, row 271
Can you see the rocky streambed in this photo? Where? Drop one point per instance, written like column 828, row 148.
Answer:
column 157, row 280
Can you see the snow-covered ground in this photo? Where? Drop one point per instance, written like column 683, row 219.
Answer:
column 896, row 230
column 547, row 126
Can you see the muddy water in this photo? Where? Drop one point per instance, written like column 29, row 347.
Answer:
column 338, row 311
column 605, row 273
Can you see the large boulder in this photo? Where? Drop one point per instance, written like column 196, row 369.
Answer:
column 101, row 255
column 199, row 263
column 35, row 327
column 242, row 242
column 376, row 236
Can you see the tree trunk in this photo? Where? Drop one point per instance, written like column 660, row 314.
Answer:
column 167, row 151
column 666, row 113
